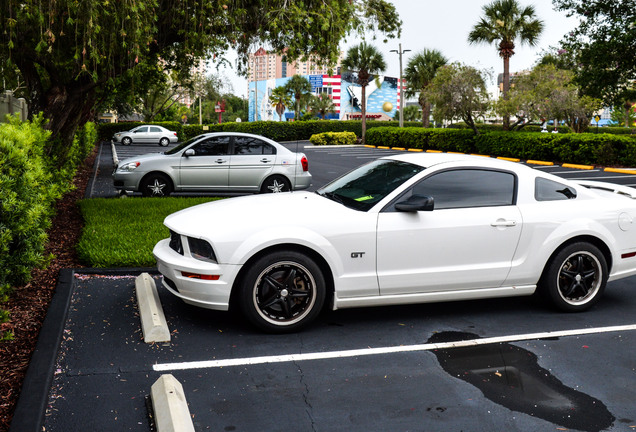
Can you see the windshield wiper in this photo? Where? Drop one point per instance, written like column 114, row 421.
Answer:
column 332, row 196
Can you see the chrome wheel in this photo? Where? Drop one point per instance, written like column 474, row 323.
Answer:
column 126, row 141
column 156, row 185
column 164, row 142
column 276, row 184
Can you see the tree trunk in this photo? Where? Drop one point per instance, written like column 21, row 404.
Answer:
column 363, row 107
column 426, row 114
column 66, row 109
column 506, row 87
column 627, row 105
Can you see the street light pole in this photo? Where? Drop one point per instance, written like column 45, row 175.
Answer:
column 400, row 52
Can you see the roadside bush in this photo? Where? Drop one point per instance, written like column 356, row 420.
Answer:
column 27, row 192
column 333, row 138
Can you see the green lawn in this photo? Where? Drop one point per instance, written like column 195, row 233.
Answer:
column 123, row 232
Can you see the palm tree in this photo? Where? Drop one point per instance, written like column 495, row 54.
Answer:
column 366, row 61
column 300, row 88
column 280, row 100
column 505, row 21
column 322, row 105
column 419, row 73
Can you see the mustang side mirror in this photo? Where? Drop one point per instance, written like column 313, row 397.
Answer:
column 189, row 152
column 416, row 203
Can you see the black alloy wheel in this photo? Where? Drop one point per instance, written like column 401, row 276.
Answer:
column 576, row 277
column 282, row 292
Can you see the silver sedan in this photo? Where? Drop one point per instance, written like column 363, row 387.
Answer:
column 147, row 134
column 216, row 162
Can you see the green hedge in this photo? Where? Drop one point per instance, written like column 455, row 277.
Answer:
column 333, row 138
column 29, row 186
column 588, row 148
column 278, row 131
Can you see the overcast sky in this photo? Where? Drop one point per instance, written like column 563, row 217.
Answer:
column 444, row 25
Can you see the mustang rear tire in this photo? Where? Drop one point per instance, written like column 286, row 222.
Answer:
column 575, row 278
column 282, row 292
column 156, row 185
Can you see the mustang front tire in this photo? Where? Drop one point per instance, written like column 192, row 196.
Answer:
column 575, row 278
column 282, row 292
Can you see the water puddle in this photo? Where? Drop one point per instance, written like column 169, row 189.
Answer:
column 511, row 376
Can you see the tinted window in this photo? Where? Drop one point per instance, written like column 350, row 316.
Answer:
column 252, row 146
column 141, row 129
column 548, row 190
column 154, row 129
column 215, row 146
column 468, row 188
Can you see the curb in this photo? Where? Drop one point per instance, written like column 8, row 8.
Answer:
column 170, row 406
column 153, row 320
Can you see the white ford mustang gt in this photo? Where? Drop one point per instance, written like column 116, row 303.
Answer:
column 411, row 228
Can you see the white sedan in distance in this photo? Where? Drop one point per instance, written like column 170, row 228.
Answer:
column 411, row 228
column 146, row 134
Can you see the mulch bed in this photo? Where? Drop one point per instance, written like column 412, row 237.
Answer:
column 28, row 304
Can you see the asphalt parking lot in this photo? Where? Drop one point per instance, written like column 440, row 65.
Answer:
column 375, row 369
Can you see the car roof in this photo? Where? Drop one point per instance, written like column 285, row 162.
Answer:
column 428, row 160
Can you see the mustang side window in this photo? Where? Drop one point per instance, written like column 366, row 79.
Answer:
column 468, row 188
column 548, row 190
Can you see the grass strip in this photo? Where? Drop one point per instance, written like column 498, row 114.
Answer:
column 123, row 232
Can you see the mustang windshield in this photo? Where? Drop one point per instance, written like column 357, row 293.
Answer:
column 365, row 186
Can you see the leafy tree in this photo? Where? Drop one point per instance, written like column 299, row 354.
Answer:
column 75, row 55
column 420, row 71
column 299, row 88
column 411, row 113
column 366, row 61
column 322, row 105
column 504, row 22
column 549, row 93
column 618, row 116
column 280, row 100
column 458, row 91
column 604, row 48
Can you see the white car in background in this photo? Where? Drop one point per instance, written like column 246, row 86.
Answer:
column 216, row 162
column 146, row 134
column 411, row 228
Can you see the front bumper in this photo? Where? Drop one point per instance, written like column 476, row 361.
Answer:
column 127, row 181
column 209, row 294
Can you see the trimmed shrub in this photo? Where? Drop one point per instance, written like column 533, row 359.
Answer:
column 333, row 138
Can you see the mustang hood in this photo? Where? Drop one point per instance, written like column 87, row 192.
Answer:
column 243, row 216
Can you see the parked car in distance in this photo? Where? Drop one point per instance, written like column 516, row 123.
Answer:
column 146, row 134
column 410, row 228
column 216, row 162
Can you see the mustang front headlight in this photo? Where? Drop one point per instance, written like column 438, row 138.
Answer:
column 128, row 167
column 201, row 250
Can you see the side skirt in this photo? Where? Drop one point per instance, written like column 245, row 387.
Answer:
column 432, row 297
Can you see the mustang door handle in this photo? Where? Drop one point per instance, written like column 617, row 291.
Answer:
column 504, row 223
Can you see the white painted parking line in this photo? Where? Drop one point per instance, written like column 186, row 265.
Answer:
column 209, row 364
